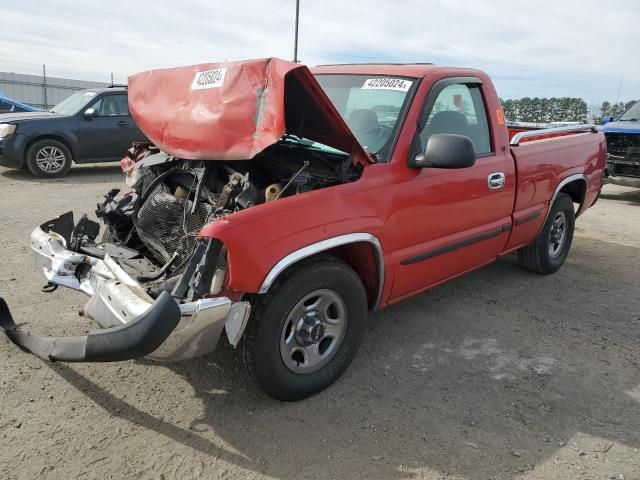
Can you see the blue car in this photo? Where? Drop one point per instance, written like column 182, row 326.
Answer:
column 11, row 106
column 623, row 147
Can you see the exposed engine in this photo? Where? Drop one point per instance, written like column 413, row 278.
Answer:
column 152, row 231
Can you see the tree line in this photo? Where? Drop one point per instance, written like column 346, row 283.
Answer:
column 563, row 109
column 614, row 109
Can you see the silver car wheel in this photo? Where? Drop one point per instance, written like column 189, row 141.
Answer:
column 557, row 234
column 50, row 159
column 313, row 331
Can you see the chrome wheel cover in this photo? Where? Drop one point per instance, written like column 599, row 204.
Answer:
column 313, row 331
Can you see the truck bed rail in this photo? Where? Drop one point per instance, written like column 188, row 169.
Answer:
column 515, row 140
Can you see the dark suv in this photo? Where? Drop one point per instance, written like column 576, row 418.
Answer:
column 89, row 126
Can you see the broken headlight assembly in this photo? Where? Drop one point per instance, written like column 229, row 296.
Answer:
column 204, row 274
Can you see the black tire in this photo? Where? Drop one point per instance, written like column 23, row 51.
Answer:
column 60, row 161
column 538, row 257
column 260, row 348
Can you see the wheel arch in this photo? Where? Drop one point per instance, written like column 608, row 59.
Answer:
column 576, row 187
column 361, row 251
column 51, row 136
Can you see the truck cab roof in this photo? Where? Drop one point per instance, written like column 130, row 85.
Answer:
column 417, row 70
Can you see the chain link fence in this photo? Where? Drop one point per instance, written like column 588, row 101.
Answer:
column 42, row 91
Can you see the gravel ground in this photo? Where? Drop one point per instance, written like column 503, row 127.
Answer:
column 499, row 374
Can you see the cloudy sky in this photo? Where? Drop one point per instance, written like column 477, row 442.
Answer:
column 531, row 48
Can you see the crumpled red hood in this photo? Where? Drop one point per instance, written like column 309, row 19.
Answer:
column 234, row 110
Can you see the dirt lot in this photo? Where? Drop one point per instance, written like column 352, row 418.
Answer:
column 500, row 374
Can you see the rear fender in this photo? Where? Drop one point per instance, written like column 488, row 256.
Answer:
column 576, row 187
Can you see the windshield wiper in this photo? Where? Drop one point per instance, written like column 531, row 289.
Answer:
column 374, row 156
column 628, row 120
column 310, row 144
column 295, row 139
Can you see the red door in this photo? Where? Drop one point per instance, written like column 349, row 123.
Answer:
column 452, row 220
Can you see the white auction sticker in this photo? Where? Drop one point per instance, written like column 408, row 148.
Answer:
column 209, row 79
column 385, row 83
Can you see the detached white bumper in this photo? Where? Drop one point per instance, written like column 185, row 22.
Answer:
column 117, row 300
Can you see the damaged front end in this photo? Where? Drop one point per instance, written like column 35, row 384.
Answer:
column 137, row 321
column 157, row 287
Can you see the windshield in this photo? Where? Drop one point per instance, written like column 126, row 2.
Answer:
column 74, row 103
column 370, row 105
column 631, row 115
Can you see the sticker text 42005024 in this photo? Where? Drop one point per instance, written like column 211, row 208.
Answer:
column 386, row 83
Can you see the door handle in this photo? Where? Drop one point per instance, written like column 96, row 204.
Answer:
column 122, row 123
column 495, row 180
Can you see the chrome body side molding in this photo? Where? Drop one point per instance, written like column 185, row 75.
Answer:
column 325, row 245
column 566, row 181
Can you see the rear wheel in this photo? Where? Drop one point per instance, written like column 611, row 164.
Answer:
column 550, row 248
column 48, row 158
column 305, row 331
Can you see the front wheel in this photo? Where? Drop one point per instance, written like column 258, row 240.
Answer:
column 549, row 250
column 305, row 331
column 48, row 158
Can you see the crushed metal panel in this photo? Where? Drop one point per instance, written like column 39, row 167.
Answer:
column 234, row 110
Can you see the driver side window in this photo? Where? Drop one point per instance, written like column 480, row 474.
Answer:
column 111, row 105
column 97, row 106
column 459, row 109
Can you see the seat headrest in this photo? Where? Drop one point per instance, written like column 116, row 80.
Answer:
column 362, row 120
column 448, row 122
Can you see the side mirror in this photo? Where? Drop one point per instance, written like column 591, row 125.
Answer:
column 607, row 119
column 446, row 150
column 90, row 113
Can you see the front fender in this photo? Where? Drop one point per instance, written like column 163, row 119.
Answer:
column 70, row 139
column 260, row 237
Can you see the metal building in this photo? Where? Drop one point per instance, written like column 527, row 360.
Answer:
column 39, row 91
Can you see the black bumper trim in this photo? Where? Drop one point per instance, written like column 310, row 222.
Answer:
column 135, row 339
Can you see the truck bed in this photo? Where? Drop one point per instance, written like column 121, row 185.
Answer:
column 543, row 161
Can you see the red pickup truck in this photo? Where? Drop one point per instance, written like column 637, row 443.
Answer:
column 281, row 204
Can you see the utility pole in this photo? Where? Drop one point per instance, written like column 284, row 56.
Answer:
column 620, row 89
column 112, row 79
column 295, row 46
column 44, row 86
